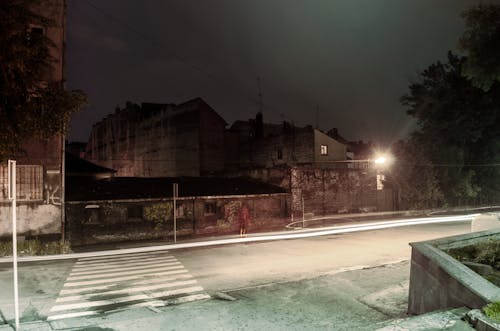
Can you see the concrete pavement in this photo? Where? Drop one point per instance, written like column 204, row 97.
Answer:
column 368, row 297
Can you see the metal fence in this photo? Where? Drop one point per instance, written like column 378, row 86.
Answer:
column 29, row 181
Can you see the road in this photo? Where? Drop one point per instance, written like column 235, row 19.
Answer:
column 90, row 286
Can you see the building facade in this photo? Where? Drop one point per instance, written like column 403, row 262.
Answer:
column 40, row 177
column 160, row 140
column 253, row 144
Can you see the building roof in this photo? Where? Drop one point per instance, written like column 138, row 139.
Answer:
column 76, row 165
column 118, row 188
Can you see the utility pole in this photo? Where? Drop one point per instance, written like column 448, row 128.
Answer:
column 317, row 116
column 175, row 195
column 260, row 101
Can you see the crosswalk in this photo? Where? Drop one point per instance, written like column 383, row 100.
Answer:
column 101, row 284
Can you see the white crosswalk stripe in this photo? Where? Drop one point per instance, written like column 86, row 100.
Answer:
column 107, row 283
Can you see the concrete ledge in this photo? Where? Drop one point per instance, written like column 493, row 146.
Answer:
column 438, row 320
column 481, row 322
column 438, row 281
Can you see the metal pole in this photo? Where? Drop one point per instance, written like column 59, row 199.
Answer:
column 175, row 214
column 12, row 196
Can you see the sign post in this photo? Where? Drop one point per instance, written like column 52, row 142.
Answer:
column 175, row 190
column 12, row 195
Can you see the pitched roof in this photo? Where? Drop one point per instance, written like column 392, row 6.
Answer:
column 76, row 165
column 146, row 188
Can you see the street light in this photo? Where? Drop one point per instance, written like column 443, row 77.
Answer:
column 380, row 160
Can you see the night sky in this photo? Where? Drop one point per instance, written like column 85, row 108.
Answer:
column 351, row 59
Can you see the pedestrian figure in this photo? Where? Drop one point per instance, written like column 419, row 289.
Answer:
column 244, row 218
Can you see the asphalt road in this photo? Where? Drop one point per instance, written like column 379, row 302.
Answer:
column 55, row 289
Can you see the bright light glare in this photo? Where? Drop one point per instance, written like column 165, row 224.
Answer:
column 380, row 160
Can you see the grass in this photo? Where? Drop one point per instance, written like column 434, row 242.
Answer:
column 492, row 310
column 35, row 247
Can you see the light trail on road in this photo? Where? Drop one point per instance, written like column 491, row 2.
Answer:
column 298, row 234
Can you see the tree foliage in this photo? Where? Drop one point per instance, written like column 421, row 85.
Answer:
column 412, row 178
column 458, row 131
column 31, row 105
column 481, row 40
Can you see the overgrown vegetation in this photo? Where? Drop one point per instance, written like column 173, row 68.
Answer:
column 487, row 252
column 159, row 213
column 493, row 311
column 33, row 104
column 452, row 157
column 35, row 247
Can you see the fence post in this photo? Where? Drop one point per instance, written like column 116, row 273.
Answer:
column 175, row 194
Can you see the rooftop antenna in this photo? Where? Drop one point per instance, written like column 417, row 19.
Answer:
column 317, row 116
column 260, row 102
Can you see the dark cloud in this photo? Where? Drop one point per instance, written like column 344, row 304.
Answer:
column 352, row 59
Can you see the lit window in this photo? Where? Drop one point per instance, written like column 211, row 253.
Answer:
column 324, row 150
column 380, row 182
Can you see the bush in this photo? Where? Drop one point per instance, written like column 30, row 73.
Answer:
column 492, row 310
column 35, row 247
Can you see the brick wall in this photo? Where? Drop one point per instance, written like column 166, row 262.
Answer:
column 325, row 191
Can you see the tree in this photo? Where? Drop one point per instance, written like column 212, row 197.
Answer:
column 413, row 177
column 481, row 40
column 30, row 105
column 458, row 130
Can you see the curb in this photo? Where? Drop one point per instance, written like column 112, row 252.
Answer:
column 305, row 233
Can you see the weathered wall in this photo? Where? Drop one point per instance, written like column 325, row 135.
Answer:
column 159, row 140
column 40, row 187
column 39, row 190
column 107, row 221
column 325, row 191
column 292, row 145
column 33, row 219
column 212, row 143
column 330, row 191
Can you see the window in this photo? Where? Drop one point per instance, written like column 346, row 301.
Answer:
column 210, row 208
column 29, row 182
column 34, row 35
column 280, row 154
column 324, row 150
column 380, row 182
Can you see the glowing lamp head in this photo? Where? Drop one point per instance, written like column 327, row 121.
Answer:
column 381, row 160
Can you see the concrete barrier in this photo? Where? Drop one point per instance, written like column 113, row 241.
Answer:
column 438, row 281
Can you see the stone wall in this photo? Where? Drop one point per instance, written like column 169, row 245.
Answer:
column 122, row 220
column 326, row 191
